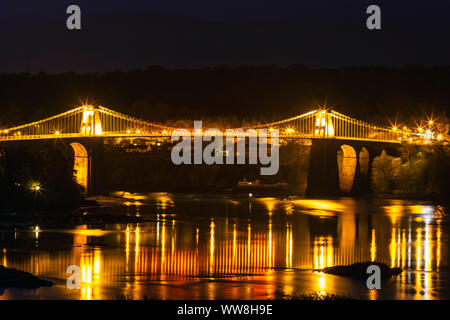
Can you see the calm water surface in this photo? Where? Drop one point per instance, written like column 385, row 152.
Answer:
column 215, row 246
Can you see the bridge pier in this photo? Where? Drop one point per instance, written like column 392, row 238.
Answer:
column 97, row 174
column 89, row 164
column 347, row 173
column 323, row 172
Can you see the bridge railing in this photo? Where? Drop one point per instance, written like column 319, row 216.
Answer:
column 346, row 127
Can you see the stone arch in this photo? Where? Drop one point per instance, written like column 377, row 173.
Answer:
column 80, row 164
column 346, row 158
column 364, row 159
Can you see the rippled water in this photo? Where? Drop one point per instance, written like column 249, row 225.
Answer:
column 216, row 246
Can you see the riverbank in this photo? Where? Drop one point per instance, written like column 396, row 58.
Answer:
column 12, row 278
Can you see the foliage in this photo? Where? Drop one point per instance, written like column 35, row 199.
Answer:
column 419, row 171
column 153, row 169
column 23, row 167
column 383, row 173
column 243, row 94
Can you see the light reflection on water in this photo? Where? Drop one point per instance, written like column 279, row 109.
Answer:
column 215, row 246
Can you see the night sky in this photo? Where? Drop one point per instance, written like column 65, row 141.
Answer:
column 127, row 35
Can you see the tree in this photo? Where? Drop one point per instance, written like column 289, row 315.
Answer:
column 383, row 173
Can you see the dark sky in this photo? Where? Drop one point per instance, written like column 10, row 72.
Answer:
column 196, row 33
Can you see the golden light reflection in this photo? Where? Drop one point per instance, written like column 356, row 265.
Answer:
column 438, row 246
column 211, row 247
column 288, row 245
column 160, row 249
column 136, row 249
column 91, row 270
column 419, row 249
column 4, row 261
column 127, row 249
column 427, row 250
column 163, row 201
column 373, row 246
column 321, row 283
column 394, row 212
column 320, row 207
column 234, row 241
column 403, row 243
column 323, row 252
column 269, row 203
column 270, row 248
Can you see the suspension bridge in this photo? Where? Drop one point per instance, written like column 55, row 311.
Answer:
column 341, row 148
column 87, row 121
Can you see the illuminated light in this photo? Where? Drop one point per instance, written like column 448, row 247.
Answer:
column 36, row 187
column 322, row 281
column 164, row 132
column 6, row 131
column 138, row 131
column 36, row 232
column 330, row 128
column 394, row 128
column 316, row 131
column 80, row 164
column 430, row 122
column 439, row 137
column 57, row 133
column 399, row 138
column 128, row 131
column 290, row 130
column 98, row 128
column 420, row 129
column 405, row 128
column 410, row 139
column 250, row 195
column 271, row 129
column 211, row 247
column 323, row 122
column 91, row 123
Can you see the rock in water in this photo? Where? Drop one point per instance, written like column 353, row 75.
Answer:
column 11, row 278
column 359, row 270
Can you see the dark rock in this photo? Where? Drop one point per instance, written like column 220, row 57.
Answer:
column 359, row 270
column 11, row 278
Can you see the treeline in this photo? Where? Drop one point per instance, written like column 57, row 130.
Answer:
column 233, row 95
column 153, row 170
column 34, row 177
column 419, row 171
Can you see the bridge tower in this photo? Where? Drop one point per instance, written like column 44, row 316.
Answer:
column 90, row 123
column 324, row 127
column 89, row 156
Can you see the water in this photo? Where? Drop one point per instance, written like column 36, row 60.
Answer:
column 216, row 246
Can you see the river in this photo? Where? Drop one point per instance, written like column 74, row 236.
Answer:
column 234, row 246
